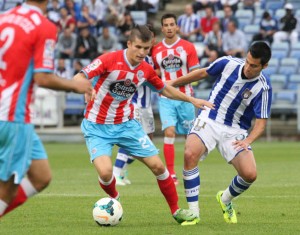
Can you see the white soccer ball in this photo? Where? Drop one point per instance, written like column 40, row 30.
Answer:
column 107, row 212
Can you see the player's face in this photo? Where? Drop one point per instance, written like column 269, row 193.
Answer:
column 169, row 28
column 137, row 50
column 252, row 66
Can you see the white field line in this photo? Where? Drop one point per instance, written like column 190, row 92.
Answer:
column 201, row 195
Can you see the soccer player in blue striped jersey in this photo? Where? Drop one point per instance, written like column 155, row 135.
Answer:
column 142, row 113
column 242, row 92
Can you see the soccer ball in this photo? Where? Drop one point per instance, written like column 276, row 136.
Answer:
column 107, row 212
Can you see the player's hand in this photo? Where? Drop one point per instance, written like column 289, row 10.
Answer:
column 241, row 145
column 202, row 104
column 89, row 97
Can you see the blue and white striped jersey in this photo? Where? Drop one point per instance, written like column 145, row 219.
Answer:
column 237, row 101
column 142, row 97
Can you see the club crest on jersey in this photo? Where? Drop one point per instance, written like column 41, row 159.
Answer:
column 171, row 63
column 246, row 94
column 122, row 89
column 179, row 49
column 140, row 74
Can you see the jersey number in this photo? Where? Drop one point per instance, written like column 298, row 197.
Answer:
column 145, row 142
column 7, row 35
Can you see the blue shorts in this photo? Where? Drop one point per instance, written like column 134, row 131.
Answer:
column 15, row 150
column 38, row 150
column 176, row 113
column 100, row 139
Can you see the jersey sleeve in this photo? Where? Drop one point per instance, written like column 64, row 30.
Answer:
column 97, row 67
column 192, row 60
column 262, row 104
column 153, row 81
column 217, row 67
column 44, row 47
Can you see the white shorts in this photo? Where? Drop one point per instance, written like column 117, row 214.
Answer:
column 145, row 117
column 220, row 136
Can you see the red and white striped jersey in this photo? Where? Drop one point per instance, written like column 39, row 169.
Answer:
column 175, row 61
column 27, row 43
column 115, row 82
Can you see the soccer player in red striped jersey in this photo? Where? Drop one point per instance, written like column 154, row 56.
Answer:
column 27, row 42
column 174, row 57
column 109, row 115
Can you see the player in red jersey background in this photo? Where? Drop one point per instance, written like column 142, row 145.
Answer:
column 174, row 57
column 27, row 42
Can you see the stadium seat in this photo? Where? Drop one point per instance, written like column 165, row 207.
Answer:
column 220, row 14
column 272, row 66
column 289, row 61
column 279, row 54
column 295, row 54
column 259, row 12
column 279, row 13
column 295, row 46
column 285, row 97
column 250, row 31
column 295, row 50
column 244, row 17
column 9, row 4
column 287, row 70
column 297, row 13
column 278, row 81
column 280, row 46
column 294, row 82
column 74, row 104
column 280, row 49
column 274, row 5
column 139, row 17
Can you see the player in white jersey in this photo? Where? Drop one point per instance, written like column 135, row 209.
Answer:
column 142, row 113
column 242, row 92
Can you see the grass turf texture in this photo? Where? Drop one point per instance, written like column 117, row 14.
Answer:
column 270, row 206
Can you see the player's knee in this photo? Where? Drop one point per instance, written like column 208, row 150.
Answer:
column 41, row 182
column 250, row 176
column 190, row 155
column 158, row 169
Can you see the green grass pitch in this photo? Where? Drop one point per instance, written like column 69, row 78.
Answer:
column 270, row 206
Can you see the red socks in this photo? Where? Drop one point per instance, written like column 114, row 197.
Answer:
column 19, row 200
column 168, row 189
column 169, row 153
column 110, row 188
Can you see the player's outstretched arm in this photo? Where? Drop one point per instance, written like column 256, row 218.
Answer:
column 193, row 76
column 175, row 94
column 52, row 81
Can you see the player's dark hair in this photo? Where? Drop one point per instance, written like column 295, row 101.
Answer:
column 167, row 16
column 141, row 32
column 261, row 50
column 151, row 28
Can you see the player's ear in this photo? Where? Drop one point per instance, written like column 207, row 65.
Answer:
column 128, row 43
column 265, row 66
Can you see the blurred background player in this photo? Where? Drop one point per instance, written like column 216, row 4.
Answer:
column 142, row 113
column 109, row 115
column 174, row 57
column 20, row 146
column 242, row 92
